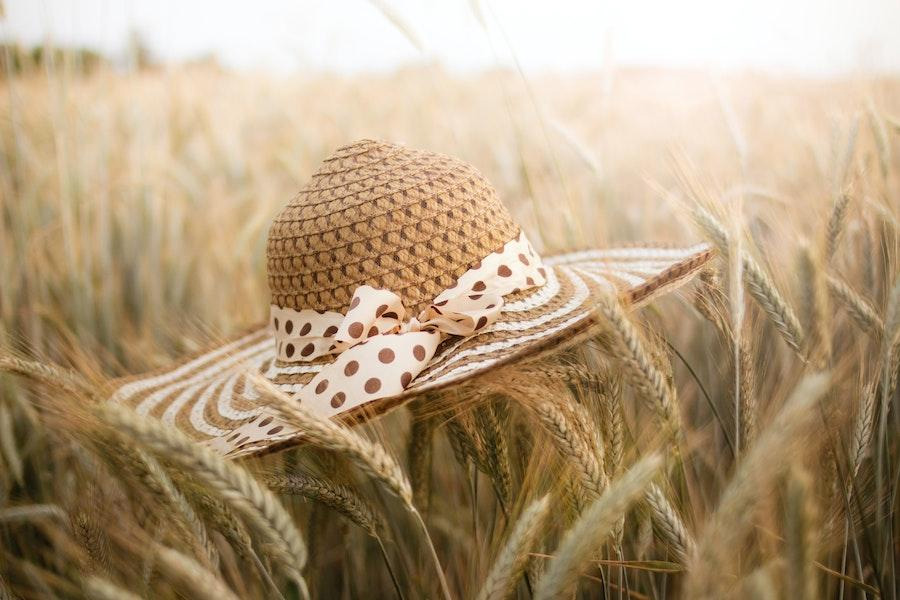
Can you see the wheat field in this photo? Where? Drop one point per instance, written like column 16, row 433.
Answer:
column 736, row 439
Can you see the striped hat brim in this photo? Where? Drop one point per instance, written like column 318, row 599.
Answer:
column 210, row 396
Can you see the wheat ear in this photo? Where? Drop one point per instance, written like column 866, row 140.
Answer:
column 496, row 451
column 335, row 496
column 510, row 563
column 859, row 308
column 49, row 374
column 758, row 284
column 863, row 429
column 419, row 451
column 244, row 493
column 566, row 434
column 370, row 457
column 668, row 524
column 592, row 527
column 154, row 477
column 642, row 373
column 836, row 225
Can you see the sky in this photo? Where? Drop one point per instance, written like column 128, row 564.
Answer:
column 809, row 37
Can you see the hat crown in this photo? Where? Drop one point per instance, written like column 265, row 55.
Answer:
column 387, row 216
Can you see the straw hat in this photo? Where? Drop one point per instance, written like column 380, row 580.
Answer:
column 393, row 272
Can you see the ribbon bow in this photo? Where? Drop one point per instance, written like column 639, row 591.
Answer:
column 379, row 350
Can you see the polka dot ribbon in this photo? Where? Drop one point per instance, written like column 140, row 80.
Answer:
column 379, row 350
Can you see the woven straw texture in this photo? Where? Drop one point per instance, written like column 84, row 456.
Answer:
column 384, row 215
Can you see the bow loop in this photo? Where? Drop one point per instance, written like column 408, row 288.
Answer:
column 372, row 312
column 462, row 315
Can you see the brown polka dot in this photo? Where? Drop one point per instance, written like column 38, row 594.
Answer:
column 274, row 430
column 373, row 385
column 405, row 379
column 390, row 315
column 305, row 329
column 419, row 352
column 289, row 350
column 490, row 306
column 354, row 303
column 524, row 259
column 482, row 321
column 474, row 296
column 529, row 281
column 441, row 303
column 479, row 286
column 355, row 329
column 386, row 355
column 323, row 385
column 380, row 310
column 373, row 330
column 542, row 271
column 307, row 350
column 351, row 368
column 276, row 323
column 332, row 329
column 338, row 399
column 504, row 271
column 265, row 421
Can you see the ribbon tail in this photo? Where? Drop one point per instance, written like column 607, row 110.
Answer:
column 380, row 367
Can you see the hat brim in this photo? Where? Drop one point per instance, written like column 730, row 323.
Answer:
column 210, row 396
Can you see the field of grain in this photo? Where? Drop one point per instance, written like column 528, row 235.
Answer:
column 736, row 439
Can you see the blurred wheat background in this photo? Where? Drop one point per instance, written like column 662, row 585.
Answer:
column 738, row 439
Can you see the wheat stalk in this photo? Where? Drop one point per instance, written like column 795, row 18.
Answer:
column 815, row 310
column 592, row 527
column 752, row 478
column 244, row 493
column 513, row 558
column 800, row 539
